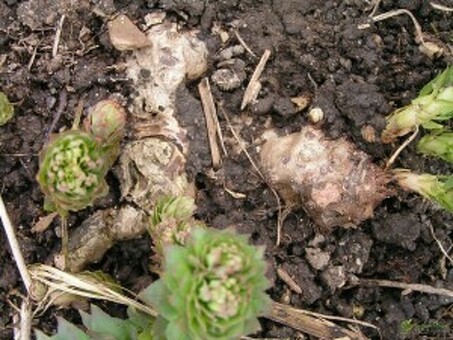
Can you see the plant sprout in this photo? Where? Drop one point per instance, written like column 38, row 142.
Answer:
column 213, row 288
column 437, row 145
column 171, row 224
column 434, row 104
column 436, row 188
column 72, row 170
column 106, row 123
column 6, row 109
column 74, row 163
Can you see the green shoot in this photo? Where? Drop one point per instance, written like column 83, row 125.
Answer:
column 6, row 109
column 438, row 145
column 171, row 224
column 213, row 288
column 74, row 163
column 434, row 104
column 436, row 188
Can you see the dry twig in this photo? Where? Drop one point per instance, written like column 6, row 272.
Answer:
column 254, row 85
column 441, row 7
column 211, row 116
column 407, row 287
column 57, row 280
column 313, row 323
column 242, row 42
column 292, row 284
column 25, row 313
column 429, row 45
column 56, row 42
column 14, row 245
column 401, row 148
column 280, row 217
column 441, row 247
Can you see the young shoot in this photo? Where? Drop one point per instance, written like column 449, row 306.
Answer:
column 433, row 105
column 6, row 109
column 72, row 166
column 74, row 163
column 437, row 145
column 436, row 188
column 171, row 224
column 213, row 288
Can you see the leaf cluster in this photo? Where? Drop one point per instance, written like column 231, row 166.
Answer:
column 74, row 163
column 433, row 105
column 213, row 288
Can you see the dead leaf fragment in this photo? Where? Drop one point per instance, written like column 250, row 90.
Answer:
column 125, row 36
column 44, row 223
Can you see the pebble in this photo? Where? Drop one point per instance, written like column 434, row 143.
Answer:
column 334, row 277
column 317, row 258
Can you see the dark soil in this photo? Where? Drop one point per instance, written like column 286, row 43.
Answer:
column 356, row 76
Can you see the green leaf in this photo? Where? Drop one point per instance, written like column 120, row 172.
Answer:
column 443, row 79
column 157, row 295
column 103, row 324
column 438, row 145
column 65, row 331
column 6, row 109
column 41, row 336
column 437, row 188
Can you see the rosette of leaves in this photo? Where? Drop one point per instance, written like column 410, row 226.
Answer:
column 213, row 288
column 72, row 170
column 433, row 105
column 171, row 224
column 100, row 325
column 74, row 163
column 6, row 109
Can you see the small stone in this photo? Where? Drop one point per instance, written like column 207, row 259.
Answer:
column 125, row 36
column 315, row 115
column 334, row 277
column 368, row 133
column 317, row 258
column 317, row 240
column 226, row 79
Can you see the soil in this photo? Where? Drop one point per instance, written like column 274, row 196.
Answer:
column 356, row 76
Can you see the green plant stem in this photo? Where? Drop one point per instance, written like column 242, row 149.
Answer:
column 64, row 240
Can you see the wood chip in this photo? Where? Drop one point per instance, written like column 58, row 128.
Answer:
column 125, row 36
column 283, row 274
column 301, row 101
column 211, row 117
column 254, row 86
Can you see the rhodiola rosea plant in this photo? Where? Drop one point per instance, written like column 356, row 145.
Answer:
column 211, row 288
column 74, row 163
